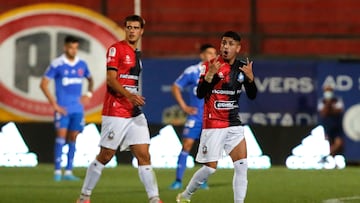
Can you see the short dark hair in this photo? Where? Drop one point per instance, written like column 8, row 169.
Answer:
column 135, row 18
column 71, row 39
column 233, row 35
column 204, row 47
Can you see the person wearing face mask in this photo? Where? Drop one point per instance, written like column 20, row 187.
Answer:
column 331, row 110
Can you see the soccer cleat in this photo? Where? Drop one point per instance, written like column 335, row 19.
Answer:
column 177, row 185
column 181, row 199
column 83, row 201
column 155, row 200
column 204, row 186
column 70, row 178
column 57, row 177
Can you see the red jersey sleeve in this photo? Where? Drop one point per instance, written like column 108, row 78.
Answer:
column 113, row 57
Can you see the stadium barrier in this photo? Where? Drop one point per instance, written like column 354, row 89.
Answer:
column 275, row 142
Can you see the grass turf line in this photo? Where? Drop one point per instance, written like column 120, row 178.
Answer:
column 121, row 184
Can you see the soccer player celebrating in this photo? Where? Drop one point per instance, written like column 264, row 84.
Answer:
column 192, row 130
column 68, row 71
column 220, row 84
column 124, row 126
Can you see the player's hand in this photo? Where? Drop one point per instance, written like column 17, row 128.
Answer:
column 214, row 66
column 85, row 100
column 189, row 110
column 213, row 69
column 137, row 100
column 248, row 71
column 59, row 109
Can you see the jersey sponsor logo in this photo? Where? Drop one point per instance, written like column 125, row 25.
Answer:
column 32, row 36
column 190, row 123
column 226, row 92
column 112, row 51
column 131, row 89
column 127, row 76
column 225, row 105
column 71, row 81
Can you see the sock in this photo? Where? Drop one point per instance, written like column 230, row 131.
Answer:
column 240, row 180
column 198, row 179
column 70, row 155
column 93, row 174
column 68, row 172
column 59, row 143
column 147, row 177
column 181, row 165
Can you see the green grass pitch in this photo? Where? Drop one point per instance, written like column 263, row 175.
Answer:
column 122, row 185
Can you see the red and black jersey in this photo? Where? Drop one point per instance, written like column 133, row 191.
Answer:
column 222, row 95
column 121, row 57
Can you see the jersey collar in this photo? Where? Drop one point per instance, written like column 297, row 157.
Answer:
column 70, row 63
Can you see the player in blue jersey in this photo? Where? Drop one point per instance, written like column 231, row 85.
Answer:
column 188, row 80
column 68, row 72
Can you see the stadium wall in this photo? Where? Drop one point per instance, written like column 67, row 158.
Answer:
column 269, row 28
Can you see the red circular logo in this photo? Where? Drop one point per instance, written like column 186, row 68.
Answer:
column 31, row 37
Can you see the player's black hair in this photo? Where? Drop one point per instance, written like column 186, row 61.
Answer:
column 204, row 47
column 135, row 18
column 71, row 39
column 233, row 35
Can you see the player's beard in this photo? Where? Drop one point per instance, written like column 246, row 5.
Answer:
column 70, row 56
column 132, row 39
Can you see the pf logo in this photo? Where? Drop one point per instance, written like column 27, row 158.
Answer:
column 31, row 37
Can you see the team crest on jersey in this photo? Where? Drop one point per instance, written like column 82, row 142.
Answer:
column 127, row 59
column 112, row 51
column 241, row 77
column 80, row 72
column 66, row 72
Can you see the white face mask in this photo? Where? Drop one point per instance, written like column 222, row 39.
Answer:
column 328, row 94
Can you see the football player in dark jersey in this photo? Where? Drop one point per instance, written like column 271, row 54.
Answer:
column 221, row 84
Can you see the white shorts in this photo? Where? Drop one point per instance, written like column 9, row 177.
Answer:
column 213, row 142
column 124, row 132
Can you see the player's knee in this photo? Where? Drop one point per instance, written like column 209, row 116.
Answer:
column 187, row 145
column 187, row 148
column 144, row 159
column 212, row 165
column 105, row 156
